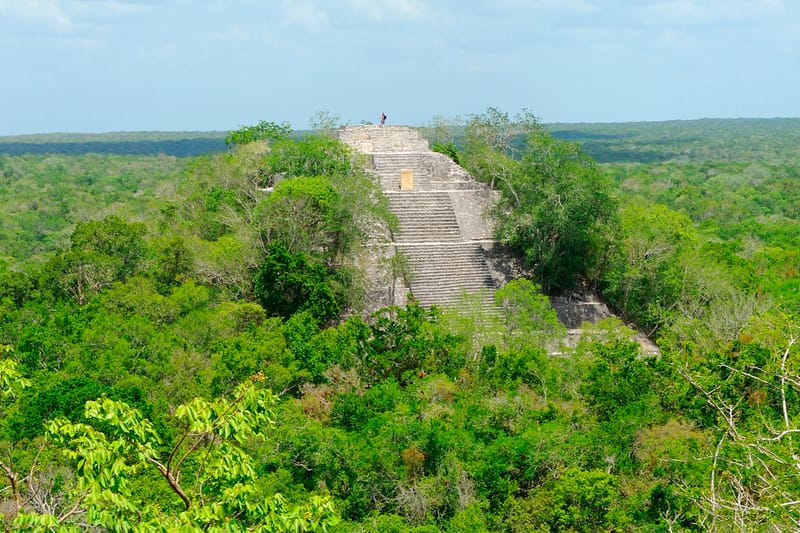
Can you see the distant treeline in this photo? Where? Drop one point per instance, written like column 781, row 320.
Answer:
column 624, row 142
column 177, row 148
column 685, row 140
column 179, row 144
column 774, row 139
column 173, row 143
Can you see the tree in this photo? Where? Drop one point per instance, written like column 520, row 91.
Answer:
column 659, row 277
column 288, row 282
column 489, row 153
column 586, row 501
column 441, row 135
column 173, row 264
column 64, row 398
column 555, row 211
column 301, row 213
column 324, row 122
column 322, row 208
column 496, row 131
column 206, row 468
column 641, row 281
column 115, row 238
column 311, row 195
column 530, row 319
column 410, row 341
column 227, row 263
column 266, row 131
column 442, row 130
column 748, row 397
column 322, row 191
column 313, row 155
column 102, row 252
column 15, row 287
column 11, row 381
column 563, row 215
column 80, row 274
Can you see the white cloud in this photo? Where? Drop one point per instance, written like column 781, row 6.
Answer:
column 46, row 14
column 388, row 9
column 705, row 12
column 113, row 8
column 235, row 33
column 305, row 14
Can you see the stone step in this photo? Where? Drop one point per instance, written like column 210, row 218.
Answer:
column 424, row 217
column 371, row 139
column 418, row 198
column 416, row 204
column 415, row 233
column 454, row 185
column 443, row 271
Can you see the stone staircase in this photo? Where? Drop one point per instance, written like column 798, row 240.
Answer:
column 424, row 216
column 442, row 234
column 443, row 272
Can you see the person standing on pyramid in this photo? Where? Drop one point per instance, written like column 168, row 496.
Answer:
column 383, row 118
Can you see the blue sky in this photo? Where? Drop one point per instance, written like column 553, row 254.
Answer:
column 131, row 65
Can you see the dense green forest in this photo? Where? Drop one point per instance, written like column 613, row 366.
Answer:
column 184, row 346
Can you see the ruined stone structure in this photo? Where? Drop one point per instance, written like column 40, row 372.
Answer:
column 444, row 232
